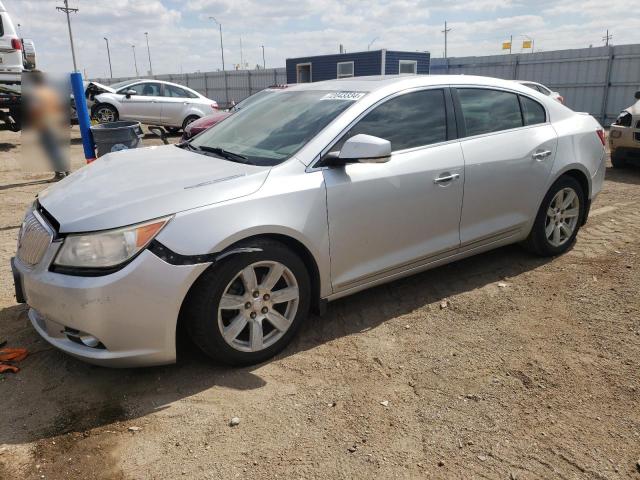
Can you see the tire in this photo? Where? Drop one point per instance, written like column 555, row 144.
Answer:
column 172, row 130
column 538, row 241
column 188, row 120
column 206, row 320
column 618, row 161
column 105, row 113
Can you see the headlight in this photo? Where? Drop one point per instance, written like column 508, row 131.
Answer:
column 108, row 248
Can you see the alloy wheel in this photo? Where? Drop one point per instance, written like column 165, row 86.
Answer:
column 562, row 216
column 258, row 306
column 105, row 115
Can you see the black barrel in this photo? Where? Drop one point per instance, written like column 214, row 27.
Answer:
column 115, row 136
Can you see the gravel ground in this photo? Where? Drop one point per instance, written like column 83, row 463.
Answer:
column 529, row 371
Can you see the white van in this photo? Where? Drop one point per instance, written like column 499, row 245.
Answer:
column 11, row 61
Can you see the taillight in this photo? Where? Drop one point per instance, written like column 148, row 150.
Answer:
column 561, row 99
column 214, row 106
column 601, row 136
column 16, row 44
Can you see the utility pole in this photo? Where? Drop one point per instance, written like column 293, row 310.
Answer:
column 241, row 57
column 264, row 64
column 109, row 56
column 221, row 47
column 146, row 34
column 510, row 43
column 607, row 37
column 445, row 31
column 135, row 62
column 68, row 10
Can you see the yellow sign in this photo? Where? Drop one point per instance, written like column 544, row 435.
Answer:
column 526, row 44
column 506, row 45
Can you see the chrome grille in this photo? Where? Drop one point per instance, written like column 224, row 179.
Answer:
column 33, row 239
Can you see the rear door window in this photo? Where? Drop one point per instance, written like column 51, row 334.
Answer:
column 411, row 120
column 176, row 92
column 487, row 111
column 532, row 111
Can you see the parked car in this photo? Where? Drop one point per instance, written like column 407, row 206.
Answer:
column 11, row 60
column 152, row 102
column 228, row 234
column 542, row 89
column 29, row 54
column 209, row 121
column 624, row 136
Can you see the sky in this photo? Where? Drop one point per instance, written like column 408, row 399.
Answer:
column 183, row 38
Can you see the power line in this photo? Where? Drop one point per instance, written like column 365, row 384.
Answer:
column 68, row 10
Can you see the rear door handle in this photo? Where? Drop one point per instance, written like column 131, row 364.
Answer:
column 446, row 178
column 541, row 155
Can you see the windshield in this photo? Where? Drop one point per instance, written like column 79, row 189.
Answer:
column 276, row 127
column 253, row 99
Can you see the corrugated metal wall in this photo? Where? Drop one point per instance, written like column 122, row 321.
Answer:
column 223, row 87
column 601, row 80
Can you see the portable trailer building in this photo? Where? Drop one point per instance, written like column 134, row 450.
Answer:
column 341, row 65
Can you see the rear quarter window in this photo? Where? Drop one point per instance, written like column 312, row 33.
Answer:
column 1, row 27
column 532, row 111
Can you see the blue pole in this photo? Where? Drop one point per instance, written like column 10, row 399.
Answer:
column 83, row 116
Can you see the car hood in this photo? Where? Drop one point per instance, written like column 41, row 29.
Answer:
column 136, row 185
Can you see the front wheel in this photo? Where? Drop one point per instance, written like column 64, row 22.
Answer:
column 105, row 113
column 248, row 308
column 558, row 220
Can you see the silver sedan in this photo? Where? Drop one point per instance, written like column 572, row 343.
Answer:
column 317, row 192
column 152, row 102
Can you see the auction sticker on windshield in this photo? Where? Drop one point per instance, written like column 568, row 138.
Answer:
column 353, row 96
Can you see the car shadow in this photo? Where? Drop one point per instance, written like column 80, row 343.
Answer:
column 71, row 396
column 371, row 308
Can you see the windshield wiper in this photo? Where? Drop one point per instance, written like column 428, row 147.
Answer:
column 236, row 157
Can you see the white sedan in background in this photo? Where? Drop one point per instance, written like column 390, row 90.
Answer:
column 152, row 102
column 542, row 89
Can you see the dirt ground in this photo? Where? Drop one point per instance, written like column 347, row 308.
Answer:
column 531, row 371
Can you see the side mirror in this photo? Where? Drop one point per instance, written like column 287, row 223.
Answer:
column 365, row 149
column 637, row 95
column 128, row 93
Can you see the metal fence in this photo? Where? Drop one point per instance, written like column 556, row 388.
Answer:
column 600, row 80
column 224, row 87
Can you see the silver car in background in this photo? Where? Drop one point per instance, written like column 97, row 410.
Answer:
column 317, row 192
column 152, row 102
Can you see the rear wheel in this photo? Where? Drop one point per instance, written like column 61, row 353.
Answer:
column 248, row 308
column 189, row 120
column 559, row 218
column 105, row 113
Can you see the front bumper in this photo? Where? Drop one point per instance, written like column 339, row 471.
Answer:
column 132, row 313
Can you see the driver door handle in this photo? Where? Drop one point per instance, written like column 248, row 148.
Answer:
column 541, row 155
column 446, row 178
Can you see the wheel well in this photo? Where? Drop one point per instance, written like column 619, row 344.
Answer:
column 297, row 247
column 97, row 105
column 193, row 115
column 582, row 179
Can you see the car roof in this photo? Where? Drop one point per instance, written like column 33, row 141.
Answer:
column 380, row 82
column 153, row 80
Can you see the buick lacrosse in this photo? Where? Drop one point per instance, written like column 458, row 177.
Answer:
column 316, row 192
